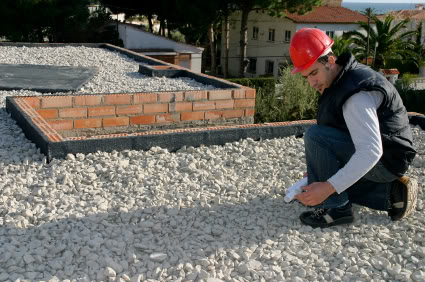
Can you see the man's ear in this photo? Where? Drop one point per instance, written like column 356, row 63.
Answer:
column 332, row 60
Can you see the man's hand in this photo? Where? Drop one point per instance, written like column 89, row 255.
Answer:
column 315, row 193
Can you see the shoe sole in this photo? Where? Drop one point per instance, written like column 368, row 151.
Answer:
column 339, row 221
column 410, row 195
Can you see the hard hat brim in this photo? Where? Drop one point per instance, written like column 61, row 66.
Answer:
column 306, row 66
column 301, row 68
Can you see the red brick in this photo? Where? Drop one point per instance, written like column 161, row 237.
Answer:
column 225, row 104
column 238, row 94
column 48, row 114
column 142, row 119
column 213, row 115
column 56, row 102
column 88, row 123
column 101, row 111
column 54, row 137
column 249, row 93
column 180, row 107
column 192, row 116
column 220, row 95
column 88, row 100
column 245, row 103
column 34, row 102
column 46, row 128
column 145, row 98
column 116, row 121
column 123, row 99
column 202, row 106
column 130, row 109
column 249, row 112
column 164, row 118
column 233, row 113
column 195, row 95
column 37, row 120
column 163, row 67
column 73, row 113
column 170, row 97
column 60, row 124
column 155, row 108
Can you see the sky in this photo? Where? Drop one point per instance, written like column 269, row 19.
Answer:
column 385, row 1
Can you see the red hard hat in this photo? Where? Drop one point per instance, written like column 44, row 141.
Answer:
column 307, row 45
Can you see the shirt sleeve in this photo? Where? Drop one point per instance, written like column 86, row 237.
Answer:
column 362, row 121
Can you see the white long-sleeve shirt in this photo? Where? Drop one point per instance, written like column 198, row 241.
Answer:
column 362, row 121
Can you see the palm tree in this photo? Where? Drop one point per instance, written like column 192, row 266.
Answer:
column 341, row 45
column 418, row 52
column 388, row 39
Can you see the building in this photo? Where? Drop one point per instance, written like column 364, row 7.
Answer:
column 414, row 17
column 269, row 37
column 160, row 47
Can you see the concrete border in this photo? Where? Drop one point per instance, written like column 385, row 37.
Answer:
column 417, row 119
column 173, row 140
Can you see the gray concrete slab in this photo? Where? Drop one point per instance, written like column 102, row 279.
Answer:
column 44, row 78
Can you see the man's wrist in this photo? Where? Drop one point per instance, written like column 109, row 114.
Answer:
column 330, row 189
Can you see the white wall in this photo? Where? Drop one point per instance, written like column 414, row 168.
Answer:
column 337, row 28
column 135, row 38
column 265, row 50
column 260, row 48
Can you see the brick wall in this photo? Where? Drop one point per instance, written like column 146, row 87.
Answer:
column 115, row 113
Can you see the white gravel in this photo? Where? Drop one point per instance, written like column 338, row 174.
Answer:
column 201, row 214
column 116, row 72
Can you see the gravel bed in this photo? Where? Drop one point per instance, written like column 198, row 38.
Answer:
column 211, row 214
column 116, row 72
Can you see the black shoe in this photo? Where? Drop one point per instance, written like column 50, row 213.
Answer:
column 404, row 193
column 328, row 217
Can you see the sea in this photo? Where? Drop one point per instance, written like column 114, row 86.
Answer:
column 379, row 8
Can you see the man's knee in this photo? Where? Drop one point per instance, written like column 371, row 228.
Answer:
column 312, row 133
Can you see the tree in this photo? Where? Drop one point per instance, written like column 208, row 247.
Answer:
column 274, row 8
column 388, row 40
column 35, row 20
column 341, row 45
column 418, row 52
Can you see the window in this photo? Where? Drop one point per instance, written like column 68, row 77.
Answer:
column 255, row 32
column 287, row 35
column 330, row 34
column 269, row 67
column 252, row 67
column 271, row 34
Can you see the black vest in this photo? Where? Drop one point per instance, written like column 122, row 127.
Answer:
column 396, row 135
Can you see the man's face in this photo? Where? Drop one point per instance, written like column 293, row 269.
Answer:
column 319, row 75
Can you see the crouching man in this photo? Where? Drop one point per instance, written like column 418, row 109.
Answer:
column 361, row 147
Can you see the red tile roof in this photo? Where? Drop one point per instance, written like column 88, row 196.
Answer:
column 326, row 14
column 405, row 14
column 389, row 71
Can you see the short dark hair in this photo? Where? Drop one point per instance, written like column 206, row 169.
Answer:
column 325, row 58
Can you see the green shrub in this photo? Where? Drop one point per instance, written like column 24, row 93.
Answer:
column 259, row 83
column 413, row 100
column 298, row 100
column 292, row 99
column 403, row 66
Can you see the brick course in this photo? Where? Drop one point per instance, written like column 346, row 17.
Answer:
column 195, row 108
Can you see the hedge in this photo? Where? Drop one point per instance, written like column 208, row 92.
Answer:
column 265, row 83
